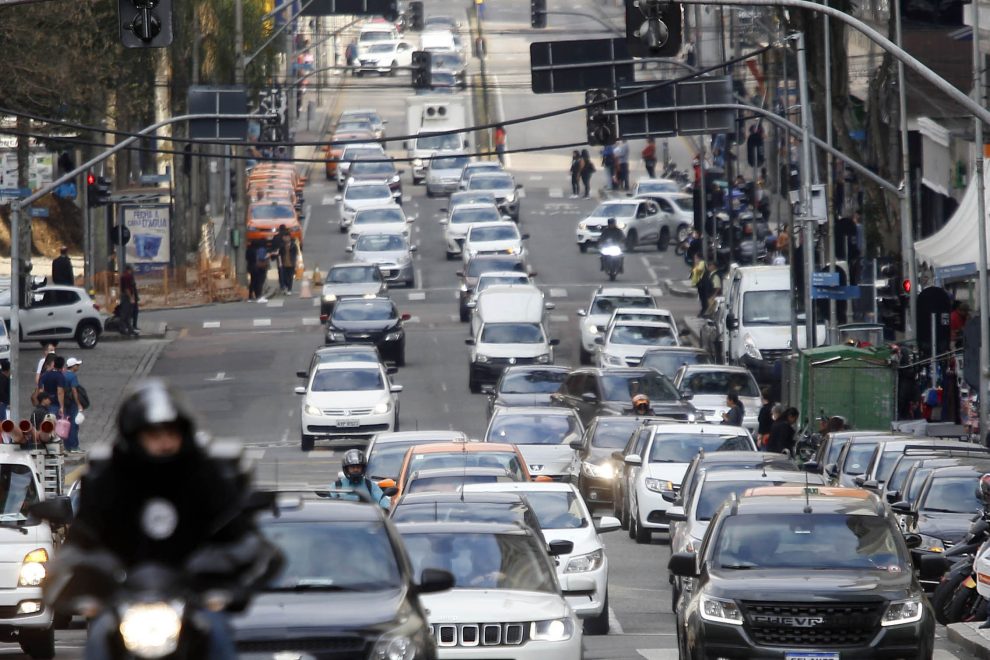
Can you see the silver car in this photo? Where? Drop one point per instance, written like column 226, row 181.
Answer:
column 443, row 173
column 500, row 184
column 392, row 253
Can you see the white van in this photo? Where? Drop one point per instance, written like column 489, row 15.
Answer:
column 374, row 33
column 508, row 328
column 437, row 41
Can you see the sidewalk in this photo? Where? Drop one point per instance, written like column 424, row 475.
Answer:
column 974, row 641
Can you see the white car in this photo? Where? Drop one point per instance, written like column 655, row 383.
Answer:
column 475, row 167
column 443, row 173
column 462, row 218
column 353, row 152
column 344, row 400
column 709, row 383
column 639, row 219
column 543, row 436
column 497, row 278
column 361, row 195
column 650, row 186
column 493, row 238
column 384, row 57
column 506, row 601
column 679, row 209
column 624, row 344
column 56, row 312
column 604, row 301
column 643, row 314
column 386, row 219
column 501, row 184
column 4, row 342
column 659, row 470
column 564, row 515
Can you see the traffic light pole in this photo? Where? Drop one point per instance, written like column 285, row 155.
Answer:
column 238, row 225
column 981, row 214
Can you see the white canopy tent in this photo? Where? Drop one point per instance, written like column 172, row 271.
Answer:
column 955, row 248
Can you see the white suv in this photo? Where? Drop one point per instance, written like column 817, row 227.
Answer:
column 639, row 219
column 604, row 301
column 57, row 312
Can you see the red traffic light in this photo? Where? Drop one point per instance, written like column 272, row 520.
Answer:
column 90, row 179
column 906, row 286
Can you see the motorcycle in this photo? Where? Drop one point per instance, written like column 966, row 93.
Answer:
column 955, row 597
column 612, row 260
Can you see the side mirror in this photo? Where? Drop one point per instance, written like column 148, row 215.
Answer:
column 871, row 484
column 554, row 342
column 811, row 466
column 589, row 397
column 301, row 374
column 459, row 273
column 903, row 508
column 406, row 316
column 391, row 370
column 912, row 540
column 349, row 249
column 683, row 564
column 338, row 198
column 731, row 322
column 893, row 496
column 469, row 341
column 581, row 312
column 859, row 480
column 633, row 459
column 299, row 389
column 524, row 237
column 400, row 172
column 413, row 248
column 56, row 510
column 600, row 340
column 668, row 495
column 676, row 514
column 443, row 210
column 386, row 483
column 607, row 524
column 432, row 580
column 519, row 186
column 687, row 394
column 395, row 389
column 576, row 445
column 391, row 491
column 558, row 548
column 550, row 305
column 488, row 389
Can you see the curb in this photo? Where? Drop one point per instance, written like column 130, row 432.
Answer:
column 159, row 333
column 679, row 288
column 970, row 639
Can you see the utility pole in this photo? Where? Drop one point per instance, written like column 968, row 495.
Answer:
column 833, row 319
column 908, row 267
column 808, row 233
column 981, row 215
column 238, row 225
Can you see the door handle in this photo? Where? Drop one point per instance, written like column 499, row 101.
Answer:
column 51, row 313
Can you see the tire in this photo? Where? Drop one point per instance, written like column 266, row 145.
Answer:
column 612, row 275
column 961, row 603
column 683, row 231
column 474, row 385
column 631, row 527
column 598, row 625
column 37, row 643
column 430, row 193
column 632, row 239
column 583, row 247
column 664, row 241
column 465, row 314
column 584, row 356
column 643, row 536
column 395, row 424
column 400, row 359
column 392, row 69
column 307, row 442
column 88, row 335
column 943, row 595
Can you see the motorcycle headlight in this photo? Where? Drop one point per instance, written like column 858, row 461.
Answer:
column 481, row 358
column 312, row 410
column 417, row 162
column 33, row 570
column 620, row 225
column 551, row 630
column 382, row 407
column 598, row 471
column 329, row 297
column 584, row 563
column 395, row 647
column 931, row 544
column 543, row 359
column 749, row 345
column 720, row 610
column 394, row 336
column 615, row 360
column 902, row 611
column 658, row 485
column 151, row 630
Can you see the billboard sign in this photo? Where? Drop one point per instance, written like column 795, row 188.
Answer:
column 151, row 233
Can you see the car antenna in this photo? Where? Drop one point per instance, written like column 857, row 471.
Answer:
column 807, row 494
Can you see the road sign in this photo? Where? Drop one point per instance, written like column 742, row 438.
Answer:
column 576, row 66
column 227, row 100
column 835, row 292
column 637, row 121
column 66, row 191
column 39, row 212
column 14, row 192
column 387, row 8
column 825, row 279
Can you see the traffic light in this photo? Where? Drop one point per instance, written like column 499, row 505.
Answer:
column 906, row 286
column 422, row 64
column 602, row 128
column 538, row 13
column 145, row 23
column 416, row 15
column 97, row 189
column 653, row 28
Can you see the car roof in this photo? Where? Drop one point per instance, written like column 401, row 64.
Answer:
column 474, row 205
column 737, row 369
column 358, row 183
column 467, row 471
column 504, row 273
column 619, row 371
column 520, row 486
column 821, row 499
column 548, row 411
column 715, row 457
column 626, row 201
column 647, row 324
column 464, row 495
column 496, row 257
column 621, row 291
column 717, row 429
column 463, row 528
column 352, row 264
column 343, row 366
column 362, row 300
column 492, row 223
column 956, row 471
column 346, row 348
column 407, row 436
column 454, row 447
column 294, row 508
column 677, row 349
column 644, row 311
column 557, row 368
column 741, row 475
column 898, row 444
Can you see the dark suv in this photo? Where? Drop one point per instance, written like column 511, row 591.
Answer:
column 788, row 571
column 347, row 588
column 369, row 321
column 609, row 391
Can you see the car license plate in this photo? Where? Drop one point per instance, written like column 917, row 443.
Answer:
column 810, row 655
column 348, row 423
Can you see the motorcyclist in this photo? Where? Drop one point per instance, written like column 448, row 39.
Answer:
column 611, row 234
column 641, row 406
column 160, row 497
column 353, row 478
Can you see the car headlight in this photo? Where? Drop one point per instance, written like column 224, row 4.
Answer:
column 417, row 162
column 584, row 563
column 310, row 409
column 336, row 336
column 395, row 647
column 720, row 610
column 382, row 407
column 329, row 297
column 394, row 336
column 33, row 569
column 583, row 226
column 543, row 359
column 749, row 345
column 480, row 358
column 658, row 485
column 551, row 630
column 902, row 611
column 151, row 630
column 598, row 470
column 593, row 330
column 931, row 544
column 394, row 179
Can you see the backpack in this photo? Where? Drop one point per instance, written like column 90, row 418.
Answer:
column 83, row 396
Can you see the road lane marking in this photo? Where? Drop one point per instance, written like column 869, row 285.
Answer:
column 306, row 221
column 220, row 377
column 614, row 627
column 658, row 654
column 417, row 295
column 649, row 268
column 559, row 318
column 309, row 320
column 316, row 302
column 418, row 274
column 443, row 386
column 276, row 302
column 558, row 293
column 555, row 193
column 211, row 324
column 328, row 200
column 262, row 323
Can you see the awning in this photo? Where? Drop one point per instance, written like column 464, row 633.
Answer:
column 955, row 246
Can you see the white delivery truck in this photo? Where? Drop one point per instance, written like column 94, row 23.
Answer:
column 426, row 115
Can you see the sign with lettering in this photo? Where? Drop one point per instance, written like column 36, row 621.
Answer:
column 151, row 234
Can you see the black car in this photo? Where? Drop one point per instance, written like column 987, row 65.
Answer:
column 668, row 359
column 450, row 62
column 369, row 321
column 378, row 170
column 500, row 508
column 609, row 391
column 485, row 263
column 347, row 588
column 789, row 571
column 527, row 385
column 599, row 469
column 948, row 503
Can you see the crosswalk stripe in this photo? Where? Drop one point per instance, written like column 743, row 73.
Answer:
column 558, row 293
column 316, row 302
column 417, row 295
column 262, row 323
column 555, row 193
column 276, row 302
column 211, row 324
column 309, row 320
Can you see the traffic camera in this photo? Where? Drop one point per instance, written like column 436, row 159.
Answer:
column 538, row 13
column 653, row 28
column 145, row 23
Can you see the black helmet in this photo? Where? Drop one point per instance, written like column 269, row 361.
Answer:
column 353, row 458
column 150, row 403
column 611, row 222
column 984, row 490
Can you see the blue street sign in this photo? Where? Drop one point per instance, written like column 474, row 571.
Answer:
column 835, row 292
column 824, row 279
column 15, row 192
column 66, row 191
column 39, row 212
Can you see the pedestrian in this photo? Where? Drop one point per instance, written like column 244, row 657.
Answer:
column 53, row 383
column 782, row 432
column 608, row 164
column 41, row 410
column 129, row 302
column 350, row 54
column 957, row 321
column 49, row 350
column 74, row 403
column 735, row 414
column 621, row 154
column 500, row 136
column 587, row 169
column 576, row 164
column 649, row 155
column 286, row 253
column 765, row 418
column 4, row 388
column 698, row 272
column 712, row 286
column 62, row 268
column 259, row 263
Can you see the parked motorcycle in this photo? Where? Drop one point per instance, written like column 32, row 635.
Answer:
column 612, row 260
column 955, row 597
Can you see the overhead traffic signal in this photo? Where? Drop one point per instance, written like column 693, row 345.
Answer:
column 97, row 189
column 653, row 28
column 416, row 15
column 422, row 64
column 145, row 23
column 538, row 13
column 602, row 128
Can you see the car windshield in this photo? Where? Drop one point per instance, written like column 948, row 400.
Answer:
column 449, row 162
column 643, row 335
column 614, row 432
column 464, row 216
column 352, row 354
column 370, row 117
column 512, row 333
column 357, row 153
column 385, row 459
column 375, row 35
column 347, row 380
column 476, row 267
column 451, row 482
column 17, row 492
column 442, row 79
column 489, row 512
column 900, row 472
column 354, row 275
column 471, row 197
column 557, row 509
column 339, row 556
column 483, row 561
column 367, row 192
column 623, row 387
column 379, row 216
column 614, row 211
column 656, row 186
column 668, row 362
column 476, row 168
column 377, row 167
column 485, row 282
column 447, row 60
column 381, row 48
column 682, row 447
column 958, row 494
column 380, row 243
column 354, row 126
column 857, row 458
column 490, row 182
column 721, row 382
column 713, row 493
column 525, row 429
column 503, row 460
column 538, row 381
column 357, row 309
column 767, row 307
column 608, row 304
column 272, row 212
column 685, row 203
column 824, row 541
column 503, row 233
column 438, row 142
